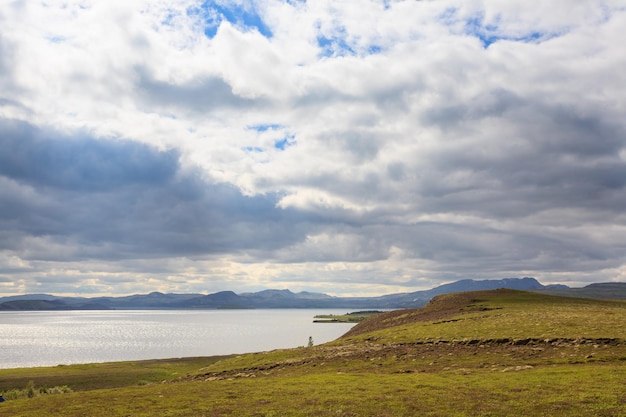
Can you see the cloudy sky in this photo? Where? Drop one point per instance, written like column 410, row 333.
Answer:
column 353, row 147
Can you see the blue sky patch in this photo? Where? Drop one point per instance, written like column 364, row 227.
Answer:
column 336, row 46
column 285, row 142
column 490, row 33
column 289, row 139
column 169, row 18
column 374, row 49
column 338, row 43
column 487, row 34
column 244, row 16
column 253, row 149
column 265, row 127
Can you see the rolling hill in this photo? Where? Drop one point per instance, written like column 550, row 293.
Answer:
column 484, row 353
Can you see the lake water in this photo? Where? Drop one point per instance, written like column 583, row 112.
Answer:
column 45, row 338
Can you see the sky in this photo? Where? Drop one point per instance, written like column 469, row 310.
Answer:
column 353, row 147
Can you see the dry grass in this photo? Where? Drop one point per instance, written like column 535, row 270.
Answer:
column 502, row 353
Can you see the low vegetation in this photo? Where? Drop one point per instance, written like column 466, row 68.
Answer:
column 492, row 353
column 96, row 376
column 354, row 317
column 31, row 391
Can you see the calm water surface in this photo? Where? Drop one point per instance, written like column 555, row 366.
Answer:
column 45, row 338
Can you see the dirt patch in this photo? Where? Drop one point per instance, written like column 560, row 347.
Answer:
column 370, row 354
column 503, row 355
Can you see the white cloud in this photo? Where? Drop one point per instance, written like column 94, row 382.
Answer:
column 477, row 139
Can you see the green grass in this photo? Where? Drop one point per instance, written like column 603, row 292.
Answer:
column 466, row 362
column 518, row 315
column 558, row 390
column 88, row 377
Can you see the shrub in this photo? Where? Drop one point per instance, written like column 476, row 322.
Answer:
column 30, row 391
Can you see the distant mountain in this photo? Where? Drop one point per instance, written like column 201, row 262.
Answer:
column 421, row 298
column 219, row 300
column 53, row 304
column 146, row 301
column 604, row 290
column 46, row 297
column 288, row 299
column 262, row 299
column 32, row 305
column 139, row 301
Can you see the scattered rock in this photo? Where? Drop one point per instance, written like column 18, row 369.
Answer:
column 517, row 368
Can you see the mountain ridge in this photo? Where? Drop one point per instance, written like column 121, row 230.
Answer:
column 284, row 298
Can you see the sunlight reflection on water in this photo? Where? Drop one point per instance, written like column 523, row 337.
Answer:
column 45, row 338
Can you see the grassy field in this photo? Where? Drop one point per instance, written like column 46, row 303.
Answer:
column 96, row 376
column 499, row 353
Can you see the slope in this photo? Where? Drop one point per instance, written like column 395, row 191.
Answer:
column 495, row 353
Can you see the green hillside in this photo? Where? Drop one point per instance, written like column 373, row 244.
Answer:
column 488, row 353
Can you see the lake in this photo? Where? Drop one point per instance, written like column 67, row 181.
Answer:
column 49, row 338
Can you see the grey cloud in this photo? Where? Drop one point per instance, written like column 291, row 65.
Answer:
column 570, row 130
column 3, row 53
column 538, row 156
column 453, row 250
column 7, row 86
column 344, row 242
column 548, row 172
column 118, row 199
column 396, row 171
column 198, row 96
column 12, row 103
column 48, row 159
column 436, row 157
column 358, row 145
column 455, row 112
